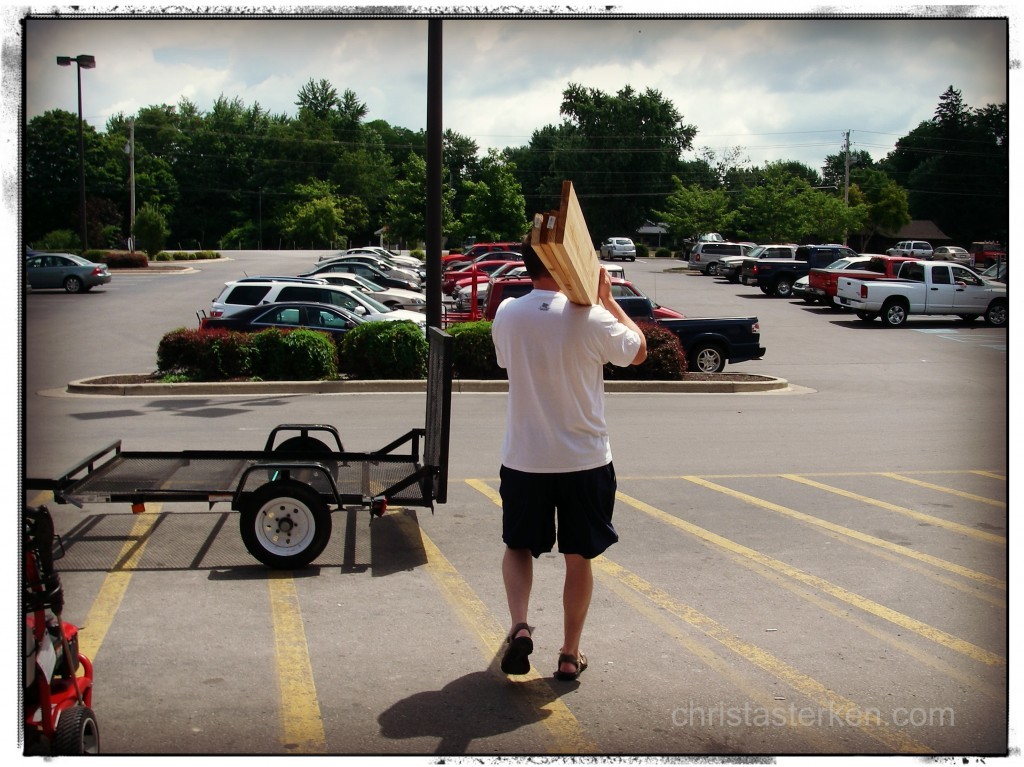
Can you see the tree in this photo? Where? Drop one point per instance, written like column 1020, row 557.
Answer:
column 150, row 230
column 495, row 208
column 406, row 210
column 320, row 216
column 691, row 211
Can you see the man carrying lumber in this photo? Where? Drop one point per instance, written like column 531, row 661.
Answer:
column 556, row 457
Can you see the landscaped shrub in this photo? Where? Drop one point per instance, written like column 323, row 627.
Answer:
column 125, row 260
column 385, row 349
column 663, row 253
column 293, row 355
column 473, row 351
column 191, row 352
column 666, row 360
column 642, row 250
column 59, row 241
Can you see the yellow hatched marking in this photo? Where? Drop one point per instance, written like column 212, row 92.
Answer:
column 115, row 585
column 926, row 518
column 948, row 490
column 855, row 534
column 302, row 729
column 843, row 709
column 476, row 617
column 905, row 621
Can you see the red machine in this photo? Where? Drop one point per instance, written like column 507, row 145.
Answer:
column 58, row 680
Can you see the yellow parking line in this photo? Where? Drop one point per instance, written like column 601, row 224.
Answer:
column 568, row 735
column 855, row 534
column 840, row 709
column 926, row 518
column 949, row 490
column 920, row 628
column 989, row 474
column 115, row 585
column 302, row 729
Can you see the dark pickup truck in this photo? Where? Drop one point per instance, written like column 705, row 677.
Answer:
column 709, row 342
column 775, row 276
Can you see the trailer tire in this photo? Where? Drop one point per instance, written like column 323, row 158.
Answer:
column 285, row 525
column 77, row 733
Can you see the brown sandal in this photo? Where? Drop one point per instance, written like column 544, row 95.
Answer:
column 569, row 676
column 517, row 656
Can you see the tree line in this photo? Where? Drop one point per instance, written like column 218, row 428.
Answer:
column 238, row 176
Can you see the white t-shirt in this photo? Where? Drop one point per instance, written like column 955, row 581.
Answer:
column 554, row 352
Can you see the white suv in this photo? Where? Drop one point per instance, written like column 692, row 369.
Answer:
column 706, row 256
column 250, row 292
column 911, row 248
column 618, row 247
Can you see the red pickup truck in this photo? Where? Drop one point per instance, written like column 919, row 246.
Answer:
column 822, row 284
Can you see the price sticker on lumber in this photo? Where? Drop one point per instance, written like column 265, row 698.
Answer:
column 563, row 243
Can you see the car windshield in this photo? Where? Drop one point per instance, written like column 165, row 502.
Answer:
column 373, row 304
column 840, row 264
column 370, row 285
column 756, row 252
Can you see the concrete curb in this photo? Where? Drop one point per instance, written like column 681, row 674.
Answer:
column 86, row 386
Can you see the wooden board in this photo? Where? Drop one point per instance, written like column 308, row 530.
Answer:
column 563, row 243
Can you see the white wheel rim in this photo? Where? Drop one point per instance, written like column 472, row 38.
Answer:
column 285, row 526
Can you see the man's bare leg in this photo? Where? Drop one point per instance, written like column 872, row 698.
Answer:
column 517, row 572
column 576, row 594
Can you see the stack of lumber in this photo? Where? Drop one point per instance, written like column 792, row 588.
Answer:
column 563, row 243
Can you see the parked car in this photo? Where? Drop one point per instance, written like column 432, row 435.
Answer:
column 239, row 294
column 952, row 253
column 731, row 267
column 396, row 298
column 912, row 249
column 460, row 261
column 987, row 253
column 476, row 270
column 705, row 256
column 365, row 270
column 74, row 274
column 618, row 247
column 252, row 319
column 406, row 262
column 481, row 248
column 380, row 264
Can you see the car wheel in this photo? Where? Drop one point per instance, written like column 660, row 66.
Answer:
column 73, row 284
column 706, row 358
column 713, row 269
column 894, row 314
column 285, row 525
column 783, row 287
column 996, row 314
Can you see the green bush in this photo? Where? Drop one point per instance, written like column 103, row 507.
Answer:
column 150, row 229
column 473, row 351
column 663, row 253
column 666, row 360
column 59, row 241
column 293, row 355
column 191, row 352
column 642, row 251
column 385, row 349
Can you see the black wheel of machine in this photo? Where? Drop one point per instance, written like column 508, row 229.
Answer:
column 77, row 733
column 706, row 358
column 285, row 525
column 310, row 446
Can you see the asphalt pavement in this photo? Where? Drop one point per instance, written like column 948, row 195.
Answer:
column 816, row 569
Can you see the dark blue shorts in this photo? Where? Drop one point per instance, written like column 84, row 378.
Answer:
column 575, row 507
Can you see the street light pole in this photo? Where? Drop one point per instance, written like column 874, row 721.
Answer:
column 87, row 62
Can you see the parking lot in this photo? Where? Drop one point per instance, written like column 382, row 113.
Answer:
column 819, row 570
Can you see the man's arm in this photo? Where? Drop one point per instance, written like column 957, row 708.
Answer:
column 604, row 295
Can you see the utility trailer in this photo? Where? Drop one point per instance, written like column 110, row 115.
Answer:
column 286, row 492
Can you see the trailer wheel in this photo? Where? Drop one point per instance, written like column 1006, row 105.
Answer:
column 706, row 358
column 285, row 525
column 77, row 733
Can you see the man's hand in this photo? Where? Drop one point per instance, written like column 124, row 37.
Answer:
column 604, row 287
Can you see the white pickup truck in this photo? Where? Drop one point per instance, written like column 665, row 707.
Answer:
column 925, row 287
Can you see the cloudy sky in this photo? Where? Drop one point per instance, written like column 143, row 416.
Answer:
column 779, row 89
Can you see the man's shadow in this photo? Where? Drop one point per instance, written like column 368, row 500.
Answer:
column 478, row 705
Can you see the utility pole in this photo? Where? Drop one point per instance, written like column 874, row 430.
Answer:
column 131, row 182
column 846, row 181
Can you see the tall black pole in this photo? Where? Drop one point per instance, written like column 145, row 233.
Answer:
column 434, row 159
column 81, row 160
